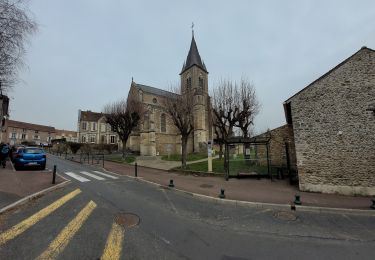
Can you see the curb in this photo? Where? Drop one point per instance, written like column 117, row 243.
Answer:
column 259, row 205
column 34, row 195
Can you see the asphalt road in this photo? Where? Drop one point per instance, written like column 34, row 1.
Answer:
column 79, row 222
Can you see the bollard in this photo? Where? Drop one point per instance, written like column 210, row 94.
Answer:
column 135, row 170
column 171, row 183
column 54, row 175
column 373, row 204
column 222, row 195
column 297, row 200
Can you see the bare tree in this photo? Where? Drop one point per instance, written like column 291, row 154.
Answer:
column 234, row 105
column 16, row 25
column 124, row 116
column 225, row 111
column 180, row 109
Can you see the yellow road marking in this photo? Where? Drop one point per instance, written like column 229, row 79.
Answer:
column 113, row 246
column 62, row 240
column 27, row 223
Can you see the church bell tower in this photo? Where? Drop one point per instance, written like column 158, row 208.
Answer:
column 194, row 80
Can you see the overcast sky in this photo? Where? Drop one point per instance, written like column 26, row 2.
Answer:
column 86, row 51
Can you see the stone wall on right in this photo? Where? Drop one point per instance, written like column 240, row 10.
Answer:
column 334, row 128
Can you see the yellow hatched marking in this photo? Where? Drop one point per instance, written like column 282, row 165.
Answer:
column 27, row 223
column 62, row 240
column 113, row 247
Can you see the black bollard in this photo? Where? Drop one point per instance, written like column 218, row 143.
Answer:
column 222, row 195
column 297, row 200
column 373, row 204
column 54, row 175
column 135, row 170
column 171, row 183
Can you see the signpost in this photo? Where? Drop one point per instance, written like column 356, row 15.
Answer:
column 209, row 151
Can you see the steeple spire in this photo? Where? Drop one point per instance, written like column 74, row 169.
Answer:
column 193, row 57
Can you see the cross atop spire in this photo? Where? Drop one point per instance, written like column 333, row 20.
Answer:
column 192, row 29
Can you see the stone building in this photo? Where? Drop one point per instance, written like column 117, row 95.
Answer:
column 157, row 134
column 93, row 129
column 333, row 121
column 70, row 136
column 16, row 132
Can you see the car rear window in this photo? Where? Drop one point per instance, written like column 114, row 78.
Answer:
column 32, row 150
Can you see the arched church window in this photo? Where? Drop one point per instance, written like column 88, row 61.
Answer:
column 201, row 83
column 163, row 123
column 146, row 121
column 188, row 84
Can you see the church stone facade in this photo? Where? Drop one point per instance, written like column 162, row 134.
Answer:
column 157, row 134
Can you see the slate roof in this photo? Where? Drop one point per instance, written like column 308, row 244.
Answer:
column 90, row 116
column 28, row 126
column 152, row 90
column 193, row 58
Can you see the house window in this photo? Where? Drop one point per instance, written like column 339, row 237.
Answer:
column 84, row 126
column 102, row 127
column 113, row 139
column 146, row 121
column 92, row 139
column 36, row 137
column 113, row 128
column 23, row 136
column 83, row 139
column 24, row 130
column 154, row 100
column 93, row 126
column 36, row 131
column 163, row 123
column 13, row 135
column 102, row 139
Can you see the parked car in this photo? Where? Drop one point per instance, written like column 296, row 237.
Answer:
column 14, row 151
column 30, row 157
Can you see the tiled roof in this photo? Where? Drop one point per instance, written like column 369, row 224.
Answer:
column 90, row 116
column 152, row 90
column 66, row 132
column 193, row 58
column 18, row 124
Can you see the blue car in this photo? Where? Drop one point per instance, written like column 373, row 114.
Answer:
column 30, row 157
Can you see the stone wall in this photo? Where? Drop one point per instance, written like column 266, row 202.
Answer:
column 334, row 129
column 277, row 147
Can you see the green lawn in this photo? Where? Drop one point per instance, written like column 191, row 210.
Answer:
column 118, row 158
column 235, row 167
column 190, row 157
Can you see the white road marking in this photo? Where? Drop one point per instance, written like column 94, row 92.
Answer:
column 106, row 175
column 170, row 202
column 93, row 176
column 77, row 177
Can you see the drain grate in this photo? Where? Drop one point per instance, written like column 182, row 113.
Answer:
column 127, row 220
column 286, row 216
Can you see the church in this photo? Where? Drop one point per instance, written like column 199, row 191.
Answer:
column 157, row 134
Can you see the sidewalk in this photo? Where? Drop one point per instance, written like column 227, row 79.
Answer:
column 278, row 192
column 15, row 185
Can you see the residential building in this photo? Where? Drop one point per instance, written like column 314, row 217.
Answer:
column 70, row 136
column 16, row 132
column 93, row 129
column 333, row 123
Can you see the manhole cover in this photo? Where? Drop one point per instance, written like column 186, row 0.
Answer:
column 204, row 185
column 127, row 220
column 284, row 215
